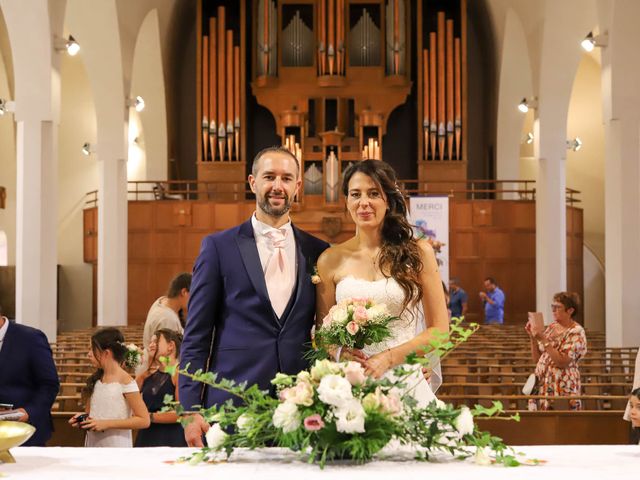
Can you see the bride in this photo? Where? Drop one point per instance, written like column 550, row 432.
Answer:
column 385, row 263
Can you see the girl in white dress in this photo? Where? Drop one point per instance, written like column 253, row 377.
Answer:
column 384, row 262
column 115, row 405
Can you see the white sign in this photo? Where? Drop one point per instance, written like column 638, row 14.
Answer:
column 430, row 217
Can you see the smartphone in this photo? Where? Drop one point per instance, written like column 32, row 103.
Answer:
column 82, row 418
column 536, row 320
column 6, row 406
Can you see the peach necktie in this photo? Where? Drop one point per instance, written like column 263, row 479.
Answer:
column 277, row 274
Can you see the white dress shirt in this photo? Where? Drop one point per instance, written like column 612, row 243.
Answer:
column 3, row 331
column 266, row 250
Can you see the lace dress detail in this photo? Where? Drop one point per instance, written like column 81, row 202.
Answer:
column 408, row 324
column 108, row 403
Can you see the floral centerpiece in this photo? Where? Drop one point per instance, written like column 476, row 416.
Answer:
column 334, row 411
column 352, row 323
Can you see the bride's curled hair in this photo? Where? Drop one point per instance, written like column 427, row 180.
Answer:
column 399, row 254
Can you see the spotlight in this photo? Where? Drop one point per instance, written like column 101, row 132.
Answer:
column 67, row 44
column 591, row 41
column 526, row 104
column 87, row 149
column 7, row 106
column 137, row 103
column 529, row 138
column 575, row 144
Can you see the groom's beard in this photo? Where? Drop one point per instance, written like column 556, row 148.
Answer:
column 266, row 207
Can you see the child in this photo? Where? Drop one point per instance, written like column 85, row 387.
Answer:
column 114, row 400
column 155, row 383
column 634, row 409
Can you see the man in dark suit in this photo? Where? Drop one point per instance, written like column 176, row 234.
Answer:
column 28, row 377
column 252, row 301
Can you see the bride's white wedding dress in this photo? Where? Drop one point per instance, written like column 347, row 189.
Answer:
column 408, row 324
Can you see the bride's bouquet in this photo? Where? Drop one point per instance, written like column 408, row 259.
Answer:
column 334, row 411
column 352, row 323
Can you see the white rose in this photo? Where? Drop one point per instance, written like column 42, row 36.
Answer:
column 322, row 368
column 350, row 417
column 482, row 456
column 304, row 376
column 339, row 315
column 243, row 422
column 286, row 417
column 301, row 394
column 464, row 422
column 334, row 390
column 440, row 404
column 215, row 436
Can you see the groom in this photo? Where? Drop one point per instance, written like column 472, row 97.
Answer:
column 252, row 301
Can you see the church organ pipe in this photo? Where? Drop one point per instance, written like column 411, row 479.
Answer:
column 458, row 98
column 222, row 81
column 396, row 37
column 205, row 97
column 213, row 87
column 450, row 85
column 433, row 127
column 339, row 37
column 425, row 100
column 236, row 99
column 265, row 36
column 441, row 85
column 230, row 118
column 322, row 47
column 221, row 92
column 331, row 36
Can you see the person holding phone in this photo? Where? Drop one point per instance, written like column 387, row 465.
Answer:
column 557, row 349
column 29, row 381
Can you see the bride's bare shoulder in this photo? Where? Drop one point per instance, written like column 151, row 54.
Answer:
column 333, row 256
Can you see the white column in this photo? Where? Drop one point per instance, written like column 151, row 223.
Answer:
column 621, row 106
column 622, row 232
column 36, row 216
column 112, row 242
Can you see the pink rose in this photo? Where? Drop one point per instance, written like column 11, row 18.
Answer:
column 352, row 328
column 391, row 403
column 360, row 315
column 313, row 422
column 354, row 373
column 285, row 393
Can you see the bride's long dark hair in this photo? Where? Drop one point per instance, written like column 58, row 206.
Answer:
column 399, row 254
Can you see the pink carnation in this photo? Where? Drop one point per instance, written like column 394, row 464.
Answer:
column 313, row 422
column 352, row 328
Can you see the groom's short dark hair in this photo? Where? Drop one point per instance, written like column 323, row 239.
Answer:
column 273, row 149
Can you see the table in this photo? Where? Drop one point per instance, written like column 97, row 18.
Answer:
column 582, row 462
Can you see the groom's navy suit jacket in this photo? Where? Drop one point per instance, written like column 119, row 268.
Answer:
column 231, row 328
column 28, row 378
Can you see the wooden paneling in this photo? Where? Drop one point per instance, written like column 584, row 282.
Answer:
column 487, row 238
column 498, row 239
column 90, row 235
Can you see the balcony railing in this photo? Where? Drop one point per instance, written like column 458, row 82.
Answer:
column 233, row 191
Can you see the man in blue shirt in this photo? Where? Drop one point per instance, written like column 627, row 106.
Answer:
column 493, row 300
column 457, row 299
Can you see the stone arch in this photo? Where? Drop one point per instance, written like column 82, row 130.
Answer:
column 147, row 80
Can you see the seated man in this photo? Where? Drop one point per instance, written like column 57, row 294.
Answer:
column 28, row 377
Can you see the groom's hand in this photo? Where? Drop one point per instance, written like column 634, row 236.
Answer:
column 194, row 431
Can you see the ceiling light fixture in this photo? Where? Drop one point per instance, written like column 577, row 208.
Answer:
column 575, row 144
column 137, row 103
column 592, row 41
column 526, row 104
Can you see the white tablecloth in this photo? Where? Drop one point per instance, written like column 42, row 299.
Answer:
column 581, row 462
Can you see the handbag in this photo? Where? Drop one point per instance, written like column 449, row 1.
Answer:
column 529, row 385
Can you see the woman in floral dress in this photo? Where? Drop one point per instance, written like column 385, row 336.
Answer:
column 557, row 351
